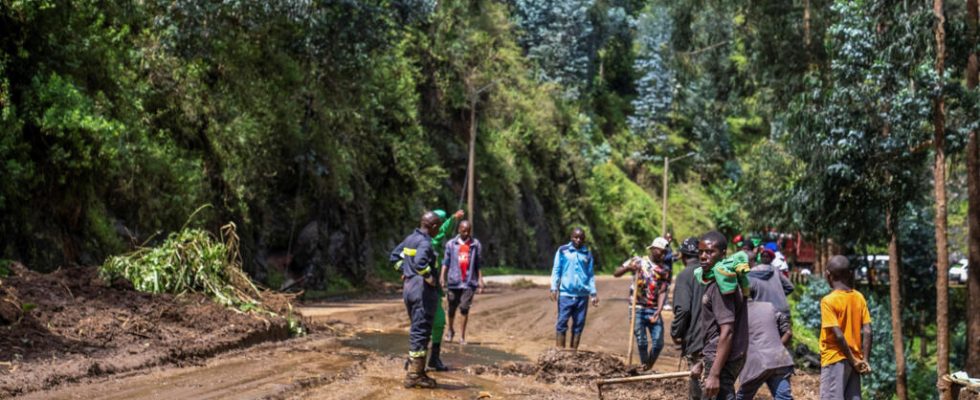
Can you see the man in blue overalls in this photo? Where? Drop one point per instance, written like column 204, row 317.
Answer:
column 417, row 261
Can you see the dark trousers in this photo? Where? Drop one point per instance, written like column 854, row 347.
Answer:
column 726, row 379
column 420, row 302
column 694, row 386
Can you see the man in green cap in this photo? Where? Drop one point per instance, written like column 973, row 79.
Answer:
column 439, row 324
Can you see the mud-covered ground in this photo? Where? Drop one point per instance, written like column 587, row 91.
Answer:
column 357, row 349
column 70, row 325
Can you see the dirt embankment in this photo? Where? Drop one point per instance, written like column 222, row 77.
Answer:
column 70, row 325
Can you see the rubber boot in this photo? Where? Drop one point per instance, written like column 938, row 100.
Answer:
column 575, row 340
column 435, row 363
column 416, row 377
column 560, row 340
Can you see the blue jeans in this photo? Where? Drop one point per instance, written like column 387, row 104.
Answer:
column 574, row 307
column 777, row 381
column 642, row 325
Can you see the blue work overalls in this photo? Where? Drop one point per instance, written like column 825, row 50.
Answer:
column 417, row 258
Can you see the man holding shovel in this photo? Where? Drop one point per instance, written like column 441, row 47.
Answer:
column 648, row 293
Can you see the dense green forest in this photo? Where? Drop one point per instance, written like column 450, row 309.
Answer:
column 332, row 125
column 323, row 129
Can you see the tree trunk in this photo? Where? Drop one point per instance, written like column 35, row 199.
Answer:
column 818, row 257
column 973, row 199
column 939, row 183
column 894, row 272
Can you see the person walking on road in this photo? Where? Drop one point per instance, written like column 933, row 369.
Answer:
column 572, row 286
column 652, row 277
column 416, row 259
column 462, row 276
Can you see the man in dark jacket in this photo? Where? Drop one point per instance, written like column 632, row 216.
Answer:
column 461, row 276
column 416, row 258
column 685, row 328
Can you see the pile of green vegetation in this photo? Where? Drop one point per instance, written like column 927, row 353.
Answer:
column 193, row 260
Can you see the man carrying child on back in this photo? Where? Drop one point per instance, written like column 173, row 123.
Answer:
column 724, row 317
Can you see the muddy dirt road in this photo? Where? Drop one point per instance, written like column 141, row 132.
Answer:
column 359, row 348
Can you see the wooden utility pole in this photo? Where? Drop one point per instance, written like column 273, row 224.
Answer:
column 939, row 183
column 474, row 96
column 663, row 211
column 666, row 182
column 471, row 164
column 973, row 200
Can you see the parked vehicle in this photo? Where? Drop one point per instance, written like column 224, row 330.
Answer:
column 872, row 269
column 960, row 271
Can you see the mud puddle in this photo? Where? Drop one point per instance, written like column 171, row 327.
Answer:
column 454, row 354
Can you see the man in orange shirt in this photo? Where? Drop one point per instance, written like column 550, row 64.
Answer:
column 844, row 320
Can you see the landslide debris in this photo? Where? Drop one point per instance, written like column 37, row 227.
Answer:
column 73, row 325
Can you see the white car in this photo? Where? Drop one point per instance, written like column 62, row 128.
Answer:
column 959, row 272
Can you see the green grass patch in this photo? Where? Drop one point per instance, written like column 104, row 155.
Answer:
column 802, row 333
column 5, row 268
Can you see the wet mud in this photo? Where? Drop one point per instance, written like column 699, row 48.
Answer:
column 74, row 326
column 396, row 344
column 357, row 351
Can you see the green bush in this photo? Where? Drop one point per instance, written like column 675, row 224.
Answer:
column 880, row 385
column 808, row 307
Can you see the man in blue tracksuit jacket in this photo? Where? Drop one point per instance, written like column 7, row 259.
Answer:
column 572, row 284
column 416, row 258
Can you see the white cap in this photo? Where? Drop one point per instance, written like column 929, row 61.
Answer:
column 659, row 243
